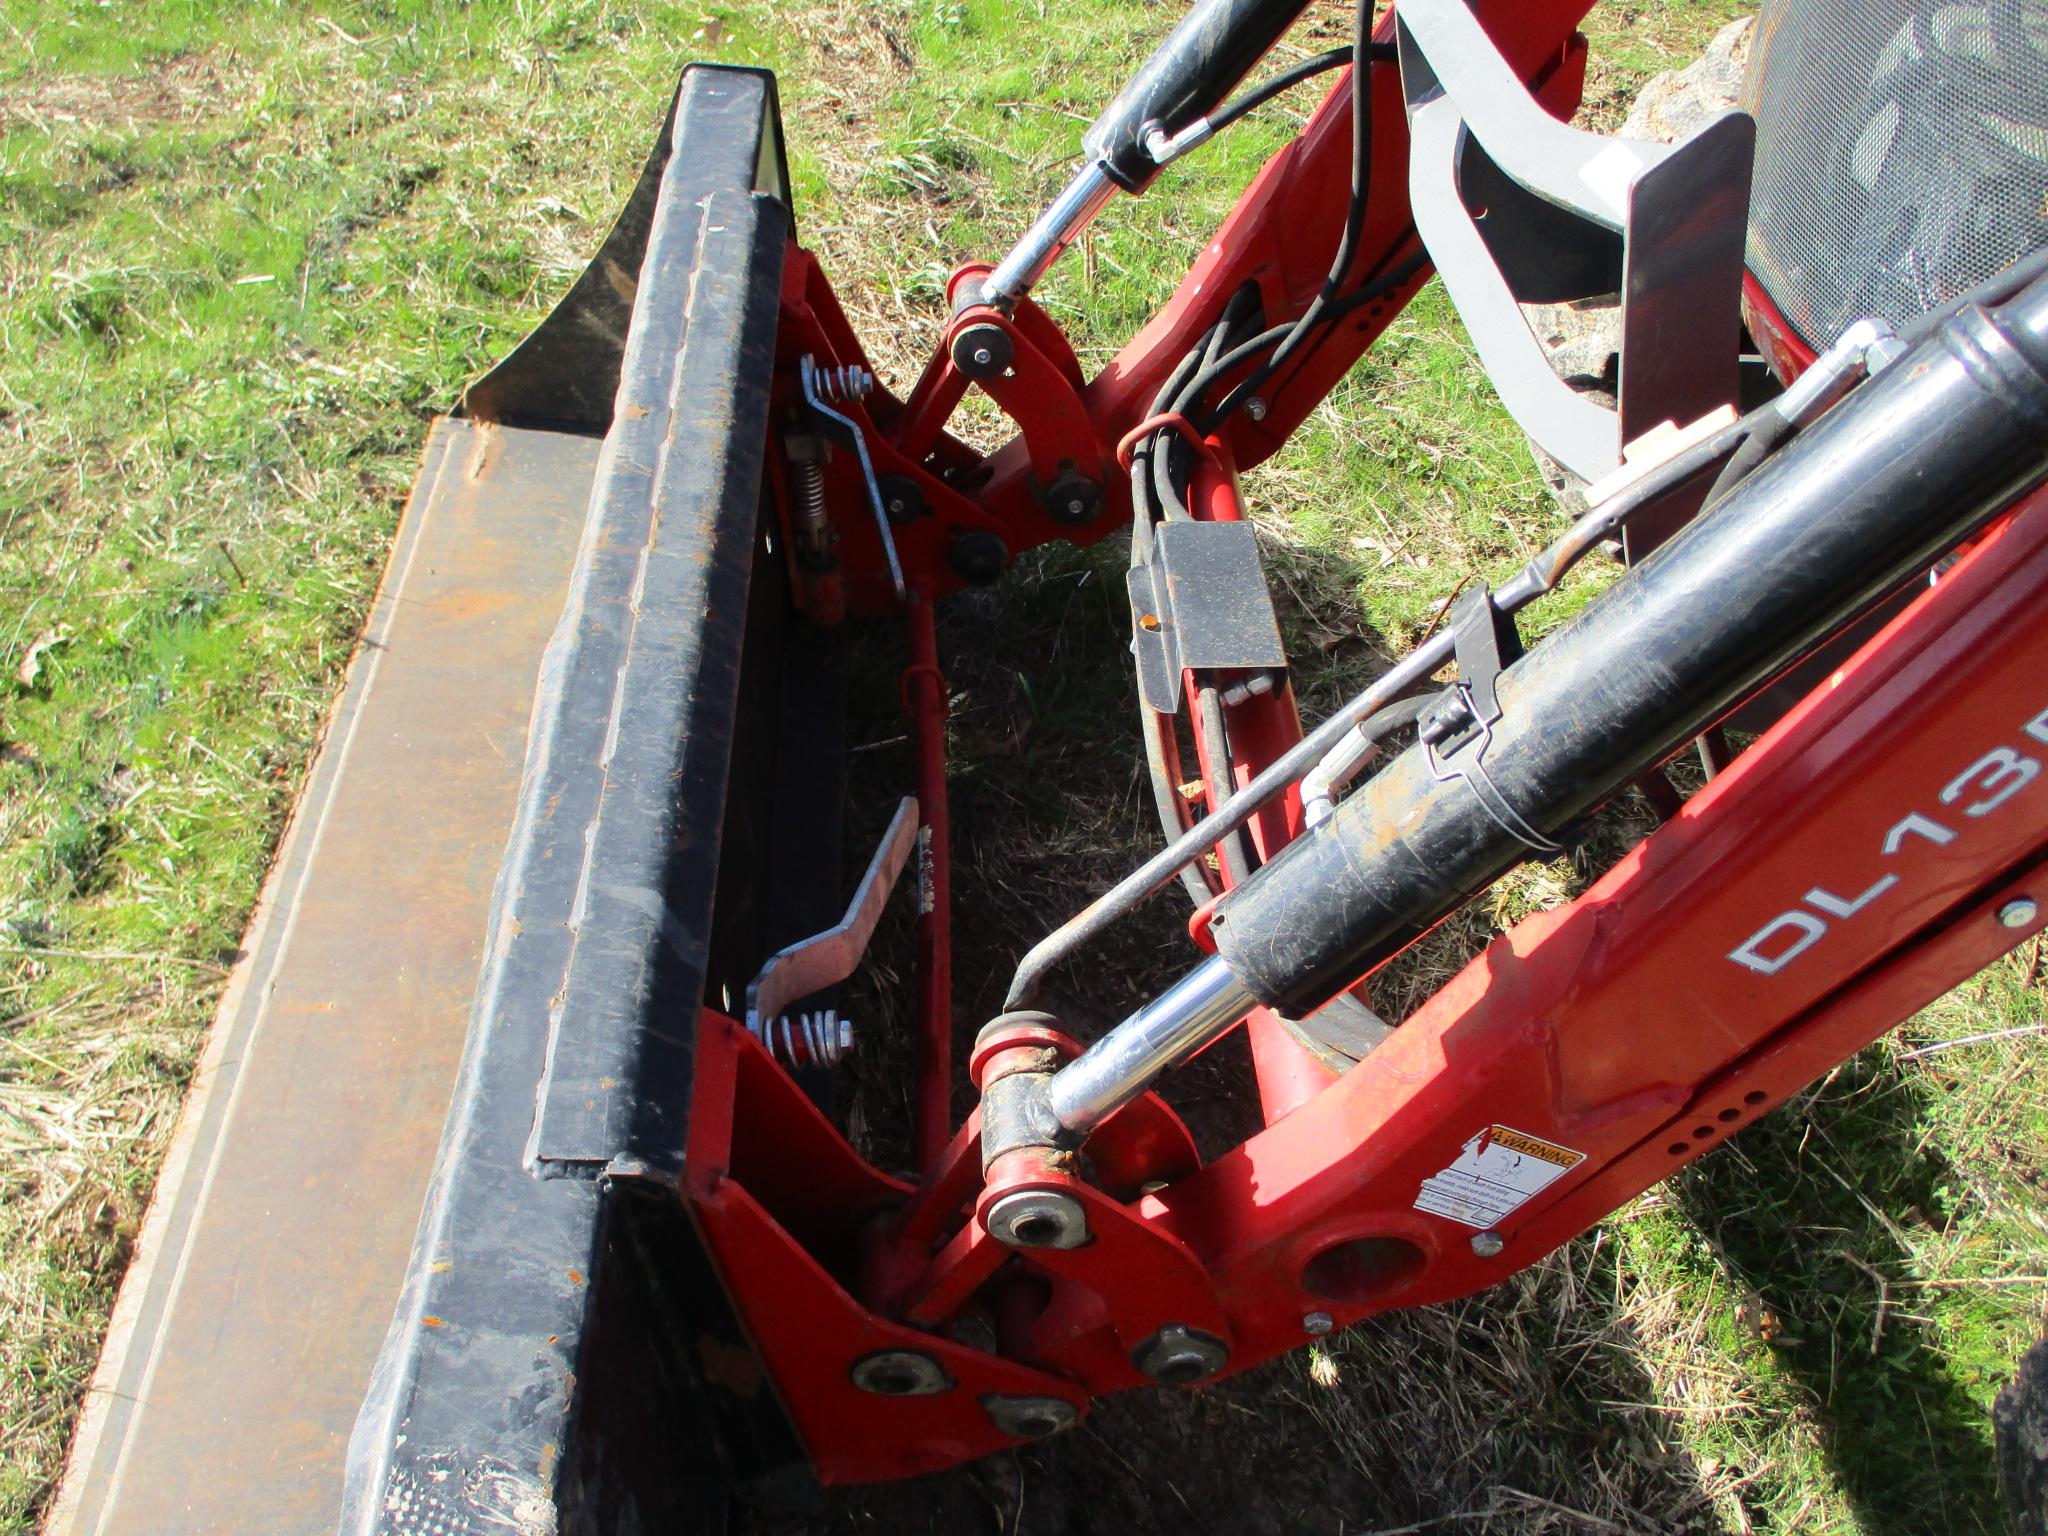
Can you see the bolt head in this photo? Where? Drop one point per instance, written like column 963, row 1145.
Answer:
column 1255, row 408
column 900, row 1373
column 982, row 351
column 1038, row 1218
column 1178, row 1356
column 2018, row 912
column 1073, row 499
column 1030, row 1418
column 1316, row 1324
column 1487, row 1244
column 978, row 555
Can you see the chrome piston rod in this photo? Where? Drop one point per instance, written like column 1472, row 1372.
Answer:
column 1210, row 999
column 1056, row 229
column 1129, row 1059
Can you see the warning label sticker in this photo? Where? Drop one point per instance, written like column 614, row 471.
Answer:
column 1496, row 1174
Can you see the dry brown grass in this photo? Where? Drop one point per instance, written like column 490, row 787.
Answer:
column 1589, row 1395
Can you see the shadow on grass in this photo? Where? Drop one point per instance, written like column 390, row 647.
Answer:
column 1810, row 1210
column 1524, row 1411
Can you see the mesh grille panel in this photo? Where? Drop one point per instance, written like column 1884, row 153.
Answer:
column 1901, row 153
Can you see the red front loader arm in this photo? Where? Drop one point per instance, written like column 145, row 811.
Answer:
column 1873, row 849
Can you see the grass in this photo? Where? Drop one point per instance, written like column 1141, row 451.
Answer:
column 245, row 253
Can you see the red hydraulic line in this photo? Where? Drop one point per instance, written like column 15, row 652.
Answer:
column 924, row 700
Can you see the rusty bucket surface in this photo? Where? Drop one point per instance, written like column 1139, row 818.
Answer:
column 398, row 1272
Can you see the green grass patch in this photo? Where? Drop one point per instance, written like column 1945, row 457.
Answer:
column 247, row 251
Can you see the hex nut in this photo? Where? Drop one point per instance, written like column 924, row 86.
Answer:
column 900, row 1373
column 977, row 555
column 902, row 499
column 983, row 351
column 1487, row 1244
column 1072, row 500
column 1178, row 1356
column 1030, row 1418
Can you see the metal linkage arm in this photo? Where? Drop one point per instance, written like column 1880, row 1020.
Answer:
column 1187, row 77
column 1856, row 506
column 1539, row 576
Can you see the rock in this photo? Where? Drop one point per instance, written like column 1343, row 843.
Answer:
column 1680, row 101
column 1583, row 340
column 2019, row 1419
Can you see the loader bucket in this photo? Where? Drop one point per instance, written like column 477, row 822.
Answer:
column 417, row 1262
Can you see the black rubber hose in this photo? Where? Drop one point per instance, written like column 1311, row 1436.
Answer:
column 1354, row 215
column 1144, row 503
column 1912, row 461
column 1765, row 436
column 1192, row 392
column 1166, row 799
column 1235, row 850
column 1171, row 456
column 1290, row 77
column 1188, row 76
column 1169, row 465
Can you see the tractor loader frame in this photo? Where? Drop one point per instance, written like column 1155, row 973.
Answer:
column 638, row 1202
column 650, row 1265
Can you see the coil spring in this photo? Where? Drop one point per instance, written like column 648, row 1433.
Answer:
column 810, row 487
column 819, row 1039
column 851, row 382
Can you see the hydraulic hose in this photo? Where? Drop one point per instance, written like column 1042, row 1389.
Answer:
column 1899, row 472
column 1187, row 78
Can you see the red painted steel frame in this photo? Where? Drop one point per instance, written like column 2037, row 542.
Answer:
column 1844, row 871
column 1258, row 731
column 1907, row 793
column 1280, row 237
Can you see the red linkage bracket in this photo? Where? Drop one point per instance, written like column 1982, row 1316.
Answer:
column 773, row 1187
column 1100, row 1326
column 1068, row 467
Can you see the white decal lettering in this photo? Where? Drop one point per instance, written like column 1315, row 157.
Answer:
column 1809, row 928
column 1835, row 906
column 1977, row 791
column 2001, row 773
column 1916, row 824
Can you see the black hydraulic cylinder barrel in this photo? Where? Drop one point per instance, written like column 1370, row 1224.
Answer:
column 1876, row 489
column 1187, row 77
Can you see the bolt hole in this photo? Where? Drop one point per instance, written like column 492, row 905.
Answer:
column 1702, row 1132
column 893, row 1383
column 1678, row 1149
column 1362, row 1269
column 1036, row 1231
column 1755, row 1096
column 1037, row 1427
column 1178, row 1373
column 1728, row 1115
column 1148, row 622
